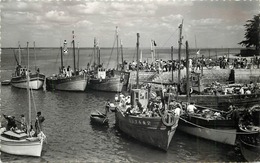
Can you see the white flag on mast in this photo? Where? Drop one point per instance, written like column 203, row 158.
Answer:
column 198, row 52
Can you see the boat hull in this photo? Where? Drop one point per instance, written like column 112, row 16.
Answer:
column 36, row 81
column 250, row 152
column 113, row 84
column 149, row 130
column 226, row 135
column 21, row 147
column 74, row 83
column 6, row 82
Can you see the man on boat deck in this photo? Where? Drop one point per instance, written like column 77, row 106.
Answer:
column 10, row 122
column 139, row 105
column 38, row 123
column 191, row 108
column 23, row 123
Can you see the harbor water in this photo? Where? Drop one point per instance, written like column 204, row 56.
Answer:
column 70, row 135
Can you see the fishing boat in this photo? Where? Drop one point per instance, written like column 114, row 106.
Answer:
column 98, row 118
column 209, row 124
column 148, row 129
column 220, row 101
column 19, row 80
column 66, row 79
column 250, row 143
column 6, row 82
column 108, row 80
column 249, row 137
column 18, row 142
column 154, row 130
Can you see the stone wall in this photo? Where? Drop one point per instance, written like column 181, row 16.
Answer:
column 247, row 75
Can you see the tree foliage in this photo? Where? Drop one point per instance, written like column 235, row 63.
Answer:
column 252, row 33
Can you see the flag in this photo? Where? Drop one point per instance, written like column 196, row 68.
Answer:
column 65, row 49
column 154, row 43
column 198, row 52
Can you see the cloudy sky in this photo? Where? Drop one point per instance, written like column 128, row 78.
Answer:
column 213, row 24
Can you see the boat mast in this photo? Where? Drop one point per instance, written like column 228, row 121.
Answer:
column 61, row 57
column 78, row 56
column 138, row 62
column 152, row 52
column 94, row 57
column 172, row 61
column 117, row 51
column 19, row 53
column 98, row 53
column 122, row 56
column 74, row 55
column 187, row 73
column 179, row 56
column 34, row 55
column 28, row 88
column 98, row 56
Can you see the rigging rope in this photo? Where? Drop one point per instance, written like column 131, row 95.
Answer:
column 112, row 51
column 169, row 38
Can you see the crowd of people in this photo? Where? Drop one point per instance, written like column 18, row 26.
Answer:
column 239, row 89
column 195, row 63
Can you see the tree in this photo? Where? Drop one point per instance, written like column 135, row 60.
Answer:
column 252, row 33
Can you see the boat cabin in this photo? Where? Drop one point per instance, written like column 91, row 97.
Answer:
column 101, row 73
column 20, row 71
column 141, row 95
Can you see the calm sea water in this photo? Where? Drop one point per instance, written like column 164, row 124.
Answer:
column 70, row 135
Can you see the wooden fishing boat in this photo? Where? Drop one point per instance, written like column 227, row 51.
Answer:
column 157, row 131
column 151, row 130
column 104, row 80
column 223, row 101
column 249, row 137
column 206, row 123
column 36, row 80
column 250, row 143
column 19, row 79
column 77, row 81
column 106, row 83
column 73, row 83
column 6, row 82
column 219, row 130
column 98, row 118
column 17, row 142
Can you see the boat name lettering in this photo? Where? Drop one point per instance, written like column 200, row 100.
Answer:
column 140, row 122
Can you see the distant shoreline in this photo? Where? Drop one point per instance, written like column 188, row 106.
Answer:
column 163, row 48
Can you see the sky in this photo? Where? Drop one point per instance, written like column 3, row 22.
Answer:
column 206, row 24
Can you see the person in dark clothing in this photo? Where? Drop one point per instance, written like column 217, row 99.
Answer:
column 107, row 107
column 139, row 105
column 230, row 111
column 246, row 118
column 235, row 114
column 10, row 122
column 38, row 123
